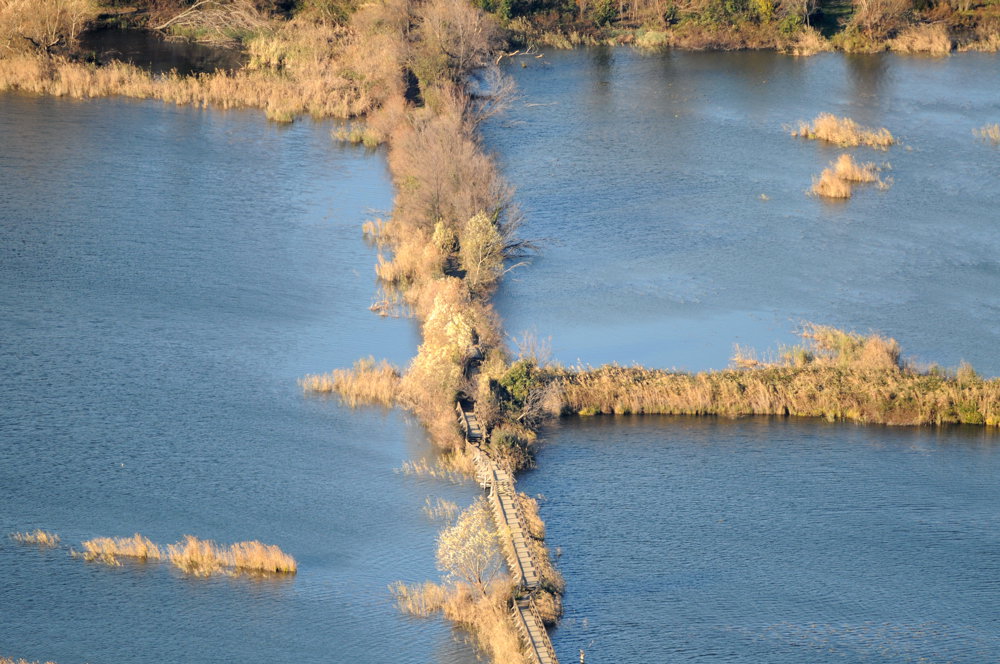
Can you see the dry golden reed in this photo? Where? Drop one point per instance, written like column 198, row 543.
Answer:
column 11, row 660
column 835, row 375
column 204, row 557
column 40, row 537
column 368, row 382
column 990, row 132
column 829, row 185
column 836, row 181
column 929, row 38
column 108, row 550
column 486, row 615
column 844, row 132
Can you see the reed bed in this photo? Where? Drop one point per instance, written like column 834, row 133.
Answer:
column 844, row 132
column 204, row 558
column 38, row 537
column 368, row 382
column 486, row 616
column 11, row 660
column 835, row 375
column 109, row 550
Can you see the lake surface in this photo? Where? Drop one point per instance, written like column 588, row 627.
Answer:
column 749, row 541
column 166, row 274
column 643, row 176
column 756, row 540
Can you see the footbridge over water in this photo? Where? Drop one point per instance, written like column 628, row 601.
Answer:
column 507, row 514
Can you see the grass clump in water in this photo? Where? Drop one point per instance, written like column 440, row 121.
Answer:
column 844, row 132
column 40, row 537
column 836, row 181
column 204, row 557
column 109, row 550
column 368, row 382
column 990, row 132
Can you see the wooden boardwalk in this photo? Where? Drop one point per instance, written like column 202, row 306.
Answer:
column 509, row 519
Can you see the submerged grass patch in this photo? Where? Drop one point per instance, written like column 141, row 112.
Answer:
column 990, row 132
column 368, row 382
column 109, row 550
column 204, row 557
column 836, row 181
column 844, row 132
column 39, row 537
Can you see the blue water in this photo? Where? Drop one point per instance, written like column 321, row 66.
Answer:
column 747, row 541
column 642, row 177
column 166, row 274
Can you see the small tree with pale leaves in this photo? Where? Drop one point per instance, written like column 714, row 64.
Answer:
column 469, row 551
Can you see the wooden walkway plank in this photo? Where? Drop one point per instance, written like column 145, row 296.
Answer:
column 506, row 510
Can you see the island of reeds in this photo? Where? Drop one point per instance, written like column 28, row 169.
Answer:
column 419, row 76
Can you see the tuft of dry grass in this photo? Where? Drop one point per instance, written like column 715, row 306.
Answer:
column 368, row 382
column 11, row 660
column 847, row 169
column 829, row 185
column 835, row 182
column 40, row 537
column 930, row 38
column 204, row 557
column 844, row 132
column 109, row 550
column 990, row 132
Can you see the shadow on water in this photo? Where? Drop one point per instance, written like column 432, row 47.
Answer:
column 151, row 51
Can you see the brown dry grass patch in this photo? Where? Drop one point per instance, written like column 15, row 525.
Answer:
column 204, row 557
column 929, row 38
column 368, row 382
column 844, row 132
column 487, row 616
column 109, row 550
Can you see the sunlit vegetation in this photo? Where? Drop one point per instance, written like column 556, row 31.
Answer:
column 39, row 537
column 990, row 132
column 11, row 660
column 191, row 555
column 368, row 382
column 834, row 374
column 476, row 591
column 204, row 557
column 829, row 185
column 109, row 550
column 836, row 181
column 844, row 132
